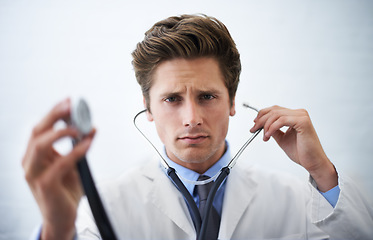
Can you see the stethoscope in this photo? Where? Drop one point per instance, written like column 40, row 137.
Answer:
column 199, row 224
column 81, row 119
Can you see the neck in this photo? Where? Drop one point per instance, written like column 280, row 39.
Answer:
column 200, row 166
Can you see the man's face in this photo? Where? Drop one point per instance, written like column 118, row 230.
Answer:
column 190, row 106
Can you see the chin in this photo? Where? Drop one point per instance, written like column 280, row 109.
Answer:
column 194, row 156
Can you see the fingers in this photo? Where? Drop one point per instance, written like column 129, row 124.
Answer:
column 47, row 164
column 67, row 163
column 40, row 149
column 60, row 111
column 274, row 118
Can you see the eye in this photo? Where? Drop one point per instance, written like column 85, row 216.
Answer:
column 171, row 99
column 207, row 97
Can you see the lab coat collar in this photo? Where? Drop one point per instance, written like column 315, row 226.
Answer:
column 239, row 192
column 169, row 200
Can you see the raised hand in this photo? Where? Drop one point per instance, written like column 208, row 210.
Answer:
column 300, row 142
column 52, row 177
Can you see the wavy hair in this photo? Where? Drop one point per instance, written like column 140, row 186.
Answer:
column 188, row 37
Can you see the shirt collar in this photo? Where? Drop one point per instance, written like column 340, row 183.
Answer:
column 192, row 175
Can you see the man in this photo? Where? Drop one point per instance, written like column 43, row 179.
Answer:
column 188, row 68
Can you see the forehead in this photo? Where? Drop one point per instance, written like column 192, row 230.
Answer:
column 200, row 73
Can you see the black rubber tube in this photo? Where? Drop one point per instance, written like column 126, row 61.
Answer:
column 196, row 217
column 97, row 208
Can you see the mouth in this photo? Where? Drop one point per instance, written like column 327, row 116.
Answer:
column 193, row 139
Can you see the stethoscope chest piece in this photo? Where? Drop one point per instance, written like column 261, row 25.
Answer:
column 81, row 116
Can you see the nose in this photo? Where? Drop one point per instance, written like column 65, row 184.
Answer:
column 192, row 114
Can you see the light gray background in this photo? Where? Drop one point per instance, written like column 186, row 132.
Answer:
column 316, row 55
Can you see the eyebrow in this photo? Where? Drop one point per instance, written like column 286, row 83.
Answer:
column 199, row 92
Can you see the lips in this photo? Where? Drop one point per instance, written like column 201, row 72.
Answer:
column 193, row 139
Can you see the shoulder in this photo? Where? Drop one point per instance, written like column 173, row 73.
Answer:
column 133, row 181
column 273, row 180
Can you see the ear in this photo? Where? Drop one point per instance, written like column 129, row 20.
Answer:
column 148, row 113
column 232, row 111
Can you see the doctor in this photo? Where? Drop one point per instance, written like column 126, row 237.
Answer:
column 188, row 68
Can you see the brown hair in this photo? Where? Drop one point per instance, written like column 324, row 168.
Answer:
column 187, row 36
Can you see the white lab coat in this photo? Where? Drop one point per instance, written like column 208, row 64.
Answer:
column 144, row 204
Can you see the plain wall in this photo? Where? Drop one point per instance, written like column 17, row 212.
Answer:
column 316, row 55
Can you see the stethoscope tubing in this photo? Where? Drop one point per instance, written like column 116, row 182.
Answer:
column 102, row 221
column 98, row 211
column 196, row 217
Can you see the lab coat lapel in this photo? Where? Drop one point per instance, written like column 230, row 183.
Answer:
column 169, row 200
column 239, row 192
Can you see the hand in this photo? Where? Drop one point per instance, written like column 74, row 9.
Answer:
column 300, row 142
column 53, row 178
